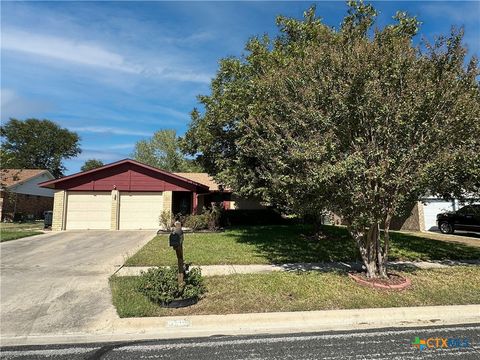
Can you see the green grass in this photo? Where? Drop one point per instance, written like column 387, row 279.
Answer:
column 290, row 244
column 306, row 291
column 13, row 231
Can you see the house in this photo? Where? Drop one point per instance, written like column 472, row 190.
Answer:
column 423, row 216
column 128, row 195
column 21, row 195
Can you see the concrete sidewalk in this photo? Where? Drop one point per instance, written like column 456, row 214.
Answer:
column 212, row 270
column 129, row 329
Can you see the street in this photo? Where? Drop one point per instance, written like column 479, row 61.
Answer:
column 363, row 344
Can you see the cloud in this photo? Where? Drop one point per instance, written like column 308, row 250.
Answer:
column 15, row 106
column 65, row 50
column 100, row 154
column 90, row 54
column 110, row 130
column 121, row 146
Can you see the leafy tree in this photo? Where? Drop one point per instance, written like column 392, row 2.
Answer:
column 38, row 144
column 162, row 150
column 92, row 164
column 355, row 121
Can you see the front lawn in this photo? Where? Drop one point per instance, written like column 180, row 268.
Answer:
column 292, row 291
column 290, row 244
column 12, row 231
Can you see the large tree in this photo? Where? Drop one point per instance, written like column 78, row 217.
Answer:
column 355, row 120
column 37, row 144
column 91, row 164
column 162, row 150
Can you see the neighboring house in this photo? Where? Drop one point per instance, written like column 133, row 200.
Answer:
column 21, row 195
column 129, row 195
column 423, row 216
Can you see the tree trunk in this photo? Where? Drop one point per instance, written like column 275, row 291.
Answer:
column 374, row 255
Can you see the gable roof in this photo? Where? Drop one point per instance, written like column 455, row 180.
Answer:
column 12, row 177
column 52, row 183
column 202, row 178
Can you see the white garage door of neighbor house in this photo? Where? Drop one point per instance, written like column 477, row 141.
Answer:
column 89, row 210
column 430, row 210
column 140, row 210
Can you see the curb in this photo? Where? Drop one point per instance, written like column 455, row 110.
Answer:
column 174, row 327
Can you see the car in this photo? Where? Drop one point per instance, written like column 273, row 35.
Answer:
column 465, row 218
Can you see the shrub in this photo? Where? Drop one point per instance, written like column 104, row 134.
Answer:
column 166, row 220
column 197, row 222
column 160, row 285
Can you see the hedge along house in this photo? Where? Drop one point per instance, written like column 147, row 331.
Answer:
column 124, row 195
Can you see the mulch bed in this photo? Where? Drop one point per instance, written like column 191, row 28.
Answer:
column 393, row 282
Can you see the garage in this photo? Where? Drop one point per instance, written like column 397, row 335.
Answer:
column 431, row 208
column 88, row 210
column 140, row 210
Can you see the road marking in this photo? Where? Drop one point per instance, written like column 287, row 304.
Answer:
column 49, row 352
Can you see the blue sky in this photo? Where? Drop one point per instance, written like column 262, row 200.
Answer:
column 117, row 71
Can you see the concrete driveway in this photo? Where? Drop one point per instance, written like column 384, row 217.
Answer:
column 57, row 283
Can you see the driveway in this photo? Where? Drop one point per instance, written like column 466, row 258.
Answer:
column 57, row 283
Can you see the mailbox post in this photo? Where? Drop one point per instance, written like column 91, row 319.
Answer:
column 176, row 241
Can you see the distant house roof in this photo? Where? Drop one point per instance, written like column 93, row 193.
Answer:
column 12, row 177
column 202, row 178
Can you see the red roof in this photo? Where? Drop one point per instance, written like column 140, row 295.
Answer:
column 119, row 175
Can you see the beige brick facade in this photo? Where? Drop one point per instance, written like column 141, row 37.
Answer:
column 115, row 210
column 167, row 201
column 58, row 221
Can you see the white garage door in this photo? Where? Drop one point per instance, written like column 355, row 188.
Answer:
column 140, row 210
column 431, row 209
column 89, row 210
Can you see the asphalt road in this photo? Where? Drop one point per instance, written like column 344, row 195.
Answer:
column 371, row 344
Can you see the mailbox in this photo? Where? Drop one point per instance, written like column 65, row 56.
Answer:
column 174, row 239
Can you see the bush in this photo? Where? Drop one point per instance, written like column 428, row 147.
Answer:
column 160, row 285
column 166, row 220
column 254, row 217
column 197, row 222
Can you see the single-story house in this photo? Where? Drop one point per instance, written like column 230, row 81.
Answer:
column 20, row 194
column 130, row 195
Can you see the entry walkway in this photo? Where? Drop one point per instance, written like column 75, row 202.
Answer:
column 212, row 270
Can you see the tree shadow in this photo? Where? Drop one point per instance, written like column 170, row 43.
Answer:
column 411, row 247
column 282, row 244
column 287, row 244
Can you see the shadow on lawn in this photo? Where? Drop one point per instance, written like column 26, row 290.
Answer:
column 296, row 244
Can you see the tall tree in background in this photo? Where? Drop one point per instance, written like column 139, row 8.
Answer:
column 91, row 164
column 358, row 122
column 162, row 150
column 37, row 144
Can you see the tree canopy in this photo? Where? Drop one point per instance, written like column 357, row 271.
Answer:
column 91, row 164
column 355, row 120
column 37, row 144
column 162, row 150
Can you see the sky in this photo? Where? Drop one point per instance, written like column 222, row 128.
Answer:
column 115, row 72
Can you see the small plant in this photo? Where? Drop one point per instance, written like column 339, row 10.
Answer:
column 160, row 285
column 166, row 220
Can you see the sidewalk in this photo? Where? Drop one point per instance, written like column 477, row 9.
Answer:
column 130, row 329
column 213, row 270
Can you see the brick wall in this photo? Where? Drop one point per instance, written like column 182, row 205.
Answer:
column 58, row 210
column 27, row 205
column 114, row 213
